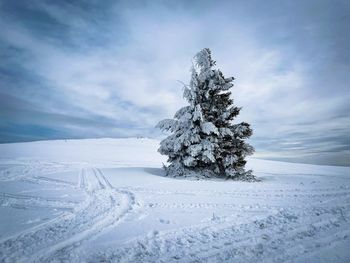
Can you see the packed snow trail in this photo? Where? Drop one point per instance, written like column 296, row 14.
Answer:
column 103, row 207
column 25, row 201
column 51, row 210
column 284, row 235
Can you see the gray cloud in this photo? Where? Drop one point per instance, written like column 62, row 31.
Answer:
column 93, row 69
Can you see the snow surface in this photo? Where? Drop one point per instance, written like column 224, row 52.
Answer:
column 107, row 200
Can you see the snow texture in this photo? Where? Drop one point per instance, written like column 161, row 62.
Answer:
column 107, row 200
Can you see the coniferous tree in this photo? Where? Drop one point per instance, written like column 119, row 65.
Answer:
column 203, row 139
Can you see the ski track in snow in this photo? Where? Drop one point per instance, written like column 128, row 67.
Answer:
column 324, row 218
column 32, row 169
column 103, row 207
column 221, row 242
column 225, row 240
column 26, row 201
column 292, row 216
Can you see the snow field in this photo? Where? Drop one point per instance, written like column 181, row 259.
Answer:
column 107, row 200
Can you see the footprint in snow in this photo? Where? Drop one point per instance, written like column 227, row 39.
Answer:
column 164, row 221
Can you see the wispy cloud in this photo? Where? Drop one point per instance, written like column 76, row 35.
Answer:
column 94, row 69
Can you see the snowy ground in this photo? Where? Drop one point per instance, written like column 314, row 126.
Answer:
column 106, row 200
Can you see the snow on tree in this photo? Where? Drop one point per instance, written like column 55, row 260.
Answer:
column 203, row 139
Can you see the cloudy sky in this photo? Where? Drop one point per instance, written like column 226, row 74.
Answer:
column 85, row 69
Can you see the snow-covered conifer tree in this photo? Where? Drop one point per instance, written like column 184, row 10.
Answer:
column 203, row 139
